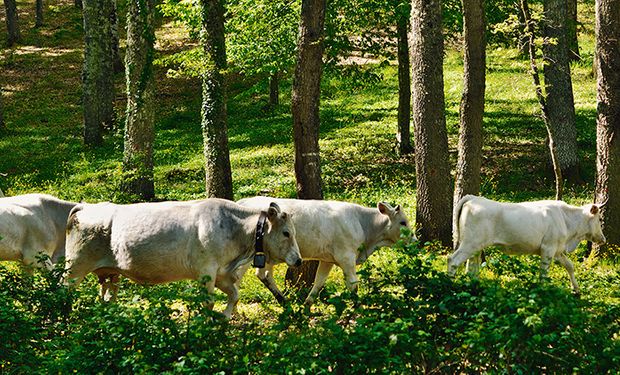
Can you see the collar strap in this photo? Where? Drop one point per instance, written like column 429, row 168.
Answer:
column 259, row 253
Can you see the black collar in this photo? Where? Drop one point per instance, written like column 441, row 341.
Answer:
column 259, row 253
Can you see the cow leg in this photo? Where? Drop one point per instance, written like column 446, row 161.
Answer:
column 564, row 261
column 473, row 264
column 108, row 287
column 265, row 275
column 459, row 257
column 319, row 280
column 546, row 257
column 228, row 286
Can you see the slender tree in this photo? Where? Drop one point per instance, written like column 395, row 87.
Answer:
column 214, row 117
column 12, row 22
column 97, row 75
column 38, row 22
column 404, row 81
column 472, row 101
column 434, row 187
column 608, row 116
column 559, row 89
column 557, row 170
column 274, row 89
column 571, row 30
column 306, row 121
column 139, row 124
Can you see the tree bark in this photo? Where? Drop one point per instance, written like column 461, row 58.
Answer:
column 2, row 124
column 140, row 121
column 214, row 116
column 274, row 90
column 38, row 22
column 403, row 135
column 608, row 117
column 571, row 30
column 117, row 60
column 472, row 102
column 434, row 187
column 12, row 22
column 559, row 89
column 306, row 121
column 97, row 75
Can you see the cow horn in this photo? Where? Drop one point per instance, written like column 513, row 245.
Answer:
column 604, row 203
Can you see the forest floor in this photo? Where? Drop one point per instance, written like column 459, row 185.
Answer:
column 42, row 149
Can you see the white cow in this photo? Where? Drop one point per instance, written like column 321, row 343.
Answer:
column 333, row 232
column 169, row 241
column 550, row 229
column 32, row 225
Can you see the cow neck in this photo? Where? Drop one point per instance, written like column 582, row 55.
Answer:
column 259, row 251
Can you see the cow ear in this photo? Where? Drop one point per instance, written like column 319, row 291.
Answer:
column 272, row 213
column 594, row 209
column 384, row 208
column 275, row 205
column 397, row 209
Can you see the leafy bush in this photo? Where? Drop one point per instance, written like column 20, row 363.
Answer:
column 408, row 317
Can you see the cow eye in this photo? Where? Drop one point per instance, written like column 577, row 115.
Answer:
column 286, row 234
column 403, row 223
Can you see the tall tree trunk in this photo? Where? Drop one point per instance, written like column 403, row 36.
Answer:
column 117, row 60
column 274, row 89
column 523, row 40
column 608, row 116
column 404, row 86
column 140, row 121
column 306, row 121
column 559, row 185
column 214, row 116
column 97, row 75
column 559, row 89
column 12, row 22
column 571, row 28
column 434, row 187
column 38, row 22
column 472, row 101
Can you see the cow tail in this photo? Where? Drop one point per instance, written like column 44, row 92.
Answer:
column 72, row 220
column 455, row 219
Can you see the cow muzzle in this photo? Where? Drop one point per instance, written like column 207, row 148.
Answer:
column 298, row 263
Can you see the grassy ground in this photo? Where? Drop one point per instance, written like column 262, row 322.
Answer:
column 42, row 149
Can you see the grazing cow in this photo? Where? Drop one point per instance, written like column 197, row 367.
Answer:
column 169, row 241
column 547, row 228
column 32, row 225
column 333, row 233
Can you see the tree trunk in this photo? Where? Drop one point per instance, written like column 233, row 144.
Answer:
column 472, row 101
column 38, row 22
column 12, row 22
column 404, row 86
column 559, row 184
column 117, row 60
column 2, row 124
column 608, row 116
column 214, row 116
column 97, row 75
column 571, row 30
column 559, row 89
column 139, row 125
column 434, row 187
column 306, row 121
column 274, row 90
column 523, row 41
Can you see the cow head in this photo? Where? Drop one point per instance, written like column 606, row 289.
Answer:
column 593, row 217
column 279, row 241
column 397, row 219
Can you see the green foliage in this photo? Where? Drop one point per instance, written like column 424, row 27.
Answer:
column 408, row 317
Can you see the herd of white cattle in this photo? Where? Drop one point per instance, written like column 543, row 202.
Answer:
column 215, row 240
